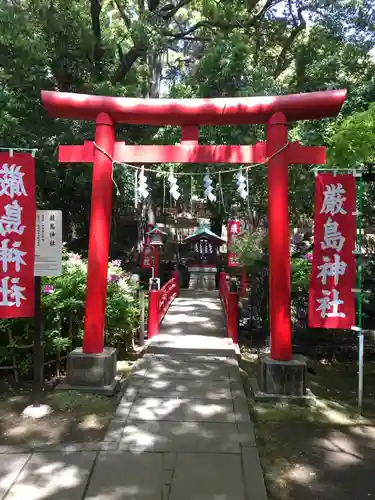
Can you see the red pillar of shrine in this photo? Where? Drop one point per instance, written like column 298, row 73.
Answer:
column 100, row 223
column 279, row 239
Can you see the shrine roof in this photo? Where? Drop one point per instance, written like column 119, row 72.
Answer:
column 156, row 229
column 203, row 232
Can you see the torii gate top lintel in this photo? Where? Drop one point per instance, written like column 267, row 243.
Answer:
column 216, row 111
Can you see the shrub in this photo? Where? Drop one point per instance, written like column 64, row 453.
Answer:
column 63, row 301
column 300, row 275
column 250, row 249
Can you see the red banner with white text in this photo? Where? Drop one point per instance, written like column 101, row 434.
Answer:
column 333, row 275
column 233, row 230
column 17, row 235
column 147, row 251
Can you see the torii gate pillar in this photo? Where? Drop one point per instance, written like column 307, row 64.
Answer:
column 100, row 224
column 279, row 238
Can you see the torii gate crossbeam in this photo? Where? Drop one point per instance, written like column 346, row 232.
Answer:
column 189, row 114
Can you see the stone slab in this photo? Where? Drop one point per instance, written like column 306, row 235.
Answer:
column 246, row 433
column 171, row 349
column 57, row 447
column 253, row 474
column 208, row 477
column 182, row 410
column 193, row 358
column 141, row 365
column 10, row 467
column 105, row 390
column 202, row 269
column 213, row 371
column 202, row 344
column 185, row 437
column 124, row 475
column 241, row 409
column 115, row 430
column 308, row 400
column 185, row 388
column 53, row 476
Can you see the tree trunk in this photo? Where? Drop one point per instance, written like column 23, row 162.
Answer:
column 98, row 51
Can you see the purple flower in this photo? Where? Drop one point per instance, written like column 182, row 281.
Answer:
column 47, row 289
column 75, row 256
column 113, row 278
column 116, row 263
column 308, row 257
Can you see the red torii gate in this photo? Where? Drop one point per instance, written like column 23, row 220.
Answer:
column 190, row 114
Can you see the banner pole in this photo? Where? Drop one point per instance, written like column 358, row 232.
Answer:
column 359, row 296
column 38, row 350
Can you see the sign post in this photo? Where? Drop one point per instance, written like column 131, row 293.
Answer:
column 38, row 348
column 48, row 243
column 359, row 294
column 48, row 262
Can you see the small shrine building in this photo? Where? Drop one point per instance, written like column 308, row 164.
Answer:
column 205, row 245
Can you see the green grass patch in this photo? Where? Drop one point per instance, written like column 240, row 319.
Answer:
column 79, row 401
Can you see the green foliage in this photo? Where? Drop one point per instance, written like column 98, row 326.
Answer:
column 353, row 143
column 63, row 299
column 300, row 276
column 250, row 249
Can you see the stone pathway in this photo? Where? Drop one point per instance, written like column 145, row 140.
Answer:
column 181, row 431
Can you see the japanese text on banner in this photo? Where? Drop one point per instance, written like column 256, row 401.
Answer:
column 17, row 235
column 234, row 229
column 331, row 297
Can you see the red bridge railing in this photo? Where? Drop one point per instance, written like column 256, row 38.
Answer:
column 230, row 304
column 159, row 302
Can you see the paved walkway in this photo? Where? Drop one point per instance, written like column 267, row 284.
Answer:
column 181, row 432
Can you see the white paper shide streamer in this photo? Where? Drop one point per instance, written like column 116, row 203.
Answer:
column 203, row 247
column 142, row 185
column 208, row 189
column 173, row 186
column 241, row 185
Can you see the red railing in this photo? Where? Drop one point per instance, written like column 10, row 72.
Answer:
column 159, row 302
column 167, row 294
column 230, row 304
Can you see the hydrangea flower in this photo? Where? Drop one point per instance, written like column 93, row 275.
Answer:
column 113, row 278
column 308, row 257
column 47, row 289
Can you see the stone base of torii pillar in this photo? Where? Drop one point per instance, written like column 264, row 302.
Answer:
column 282, row 381
column 96, row 373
